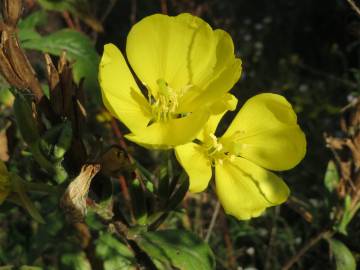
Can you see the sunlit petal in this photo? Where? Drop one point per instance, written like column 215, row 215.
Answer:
column 175, row 49
column 245, row 189
column 120, row 92
column 237, row 192
column 266, row 132
column 196, row 164
column 219, row 78
column 227, row 103
column 169, row 134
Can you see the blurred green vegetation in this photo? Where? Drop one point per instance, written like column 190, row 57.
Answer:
column 305, row 50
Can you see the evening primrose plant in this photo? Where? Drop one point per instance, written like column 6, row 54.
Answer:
column 184, row 65
column 187, row 70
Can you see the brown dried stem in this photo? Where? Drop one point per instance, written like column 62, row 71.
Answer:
column 354, row 6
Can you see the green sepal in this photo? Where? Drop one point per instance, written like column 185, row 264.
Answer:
column 24, row 118
column 138, row 201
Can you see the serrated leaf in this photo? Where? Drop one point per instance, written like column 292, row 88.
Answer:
column 332, row 178
column 177, row 248
column 115, row 254
column 343, row 256
column 79, row 49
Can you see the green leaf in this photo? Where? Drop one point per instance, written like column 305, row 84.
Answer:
column 27, row 267
column 6, row 267
column 33, row 20
column 177, row 248
column 115, row 254
column 27, row 26
column 79, row 49
column 79, row 8
column 348, row 214
column 103, row 204
column 343, row 256
column 138, row 201
column 76, row 261
column 21, row 198
column 57, row 5
column 332, row 178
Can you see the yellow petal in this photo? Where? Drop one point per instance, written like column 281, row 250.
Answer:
column 227, row 103
column 266, row 132
column 238, row 194
column 245, row 190
column 165, row 135
column 196, row 164
column 120, row 93
column 174, row 49
column 219, row 78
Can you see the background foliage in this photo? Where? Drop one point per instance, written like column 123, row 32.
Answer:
column 305, row 50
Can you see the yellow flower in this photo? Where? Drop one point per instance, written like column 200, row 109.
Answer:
column 183, row 65
column 4, row 182
column 263, row 136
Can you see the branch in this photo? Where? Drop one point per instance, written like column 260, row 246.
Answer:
column 354, row 6
column 312, row 242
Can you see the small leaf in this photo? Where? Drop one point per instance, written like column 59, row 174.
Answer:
column 177, row 248
column 27, row 267
column 76, row 261
column 348, row 214
column 115, row 254
column 343, row 256
column 331, row 179
column 33, row 20
column 6, row 267
column 25, row 120
column 138, row 200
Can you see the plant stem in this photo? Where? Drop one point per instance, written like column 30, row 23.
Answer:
column 354, row 6
column 312, row 242
column 212, row 222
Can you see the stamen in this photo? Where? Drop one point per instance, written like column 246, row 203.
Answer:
column 215, row 151
column 166, row 101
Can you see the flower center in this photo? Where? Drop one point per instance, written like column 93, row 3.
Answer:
column 215, row 150
column 164, row 105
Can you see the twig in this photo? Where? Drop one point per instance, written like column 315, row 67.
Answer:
column 354, row 6
column 312, row 242
column 164, row 7
column 327, row 76
column 108, row 10
column 212, row 222
column 68, row 20
column 231, row 259
column 272, row 239
column 133, row 11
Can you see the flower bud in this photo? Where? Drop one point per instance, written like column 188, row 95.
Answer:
column 11, row 11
